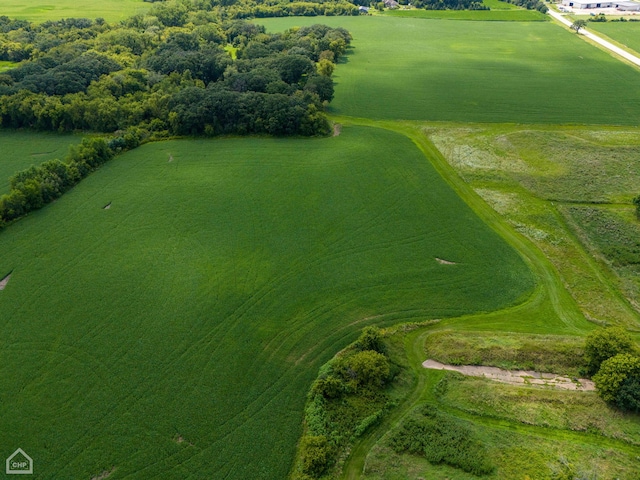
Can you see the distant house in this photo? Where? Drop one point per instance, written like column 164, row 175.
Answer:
column 623, row 5
column 363, row 10
column 391, row 4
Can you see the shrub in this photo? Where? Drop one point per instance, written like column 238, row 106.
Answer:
column 442, row 439
column 364, row 369
column 316, row 454
column 329, row 387
column 628, row 396
column 613, row 373
column 605, row 343
column 370, row 339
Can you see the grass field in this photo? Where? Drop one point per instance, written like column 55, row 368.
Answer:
column 534, row 177
column 498, row 15
column 533, row 433
column 21, row 149
column 110, row 10
column 477, row 72
column 625, row 33
column 176, row 333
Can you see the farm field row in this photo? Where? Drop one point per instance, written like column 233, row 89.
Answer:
column 225, row 272
column 476, row 72
column 498, row 15
column 213, row 288
column 110, row 10
column 625, row 33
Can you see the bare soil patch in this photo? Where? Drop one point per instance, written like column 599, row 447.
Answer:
column 107, row 206
column 515, row 377
column 444, row 262
column 104, row 474
column 170, row 158
column 337, row 128
column 4, row 281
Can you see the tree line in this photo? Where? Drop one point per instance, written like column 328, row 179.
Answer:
column 36, row 186
column 184, row 68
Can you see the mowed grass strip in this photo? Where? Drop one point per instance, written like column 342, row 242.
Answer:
column 502, row 15
column 522, row 72
column 625, row 33
column 176, row 333
column 110, row 10
column 22, row 149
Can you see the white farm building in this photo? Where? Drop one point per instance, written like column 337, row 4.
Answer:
column 623, row 5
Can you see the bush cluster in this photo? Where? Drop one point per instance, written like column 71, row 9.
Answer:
column 346, row 399
column 612, row 354
column 450, row 5
column 531, row 5
column 442, row 439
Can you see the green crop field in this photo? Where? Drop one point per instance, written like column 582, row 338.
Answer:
column 176, row 332
column 21, row 149
column 500, row 15
column 626, row 33
column 110, row 10
column 166, row 317
column 530, row 72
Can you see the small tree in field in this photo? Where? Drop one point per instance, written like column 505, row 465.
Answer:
column 578, row 24
column 605, row 343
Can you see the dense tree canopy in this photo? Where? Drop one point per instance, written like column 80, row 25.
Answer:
column 170, row 71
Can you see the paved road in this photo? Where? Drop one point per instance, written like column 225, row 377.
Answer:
column 608, row 45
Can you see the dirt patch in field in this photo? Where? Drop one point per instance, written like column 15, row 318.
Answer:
column 337, row 128
column 107, row 206
column 179, row 439
column 444, row 262
column 4, row 281
column 515, row 377
column 170, row 158
column 105, row 474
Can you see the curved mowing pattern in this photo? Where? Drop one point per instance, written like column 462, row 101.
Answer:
column 175, row 334
column 466, row 71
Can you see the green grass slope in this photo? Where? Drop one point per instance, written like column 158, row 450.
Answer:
column 21, row 149
column 110, row 10
column 523, row 72
column 175, row 334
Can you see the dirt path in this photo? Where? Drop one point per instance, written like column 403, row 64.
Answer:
column 515, row 377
